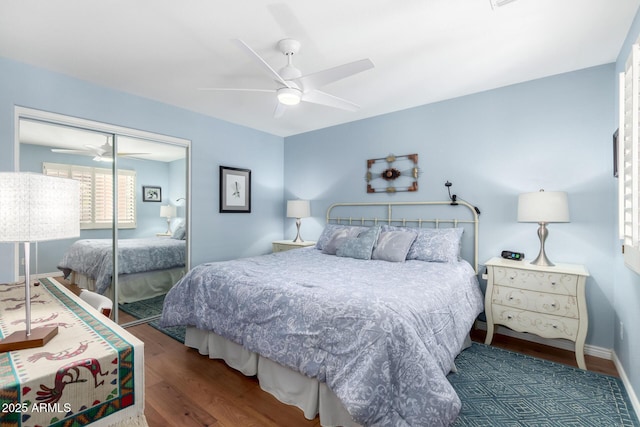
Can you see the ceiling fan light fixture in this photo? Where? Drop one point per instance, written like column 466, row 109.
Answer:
column 499, row 3
column 289, row 96
column 103, row 159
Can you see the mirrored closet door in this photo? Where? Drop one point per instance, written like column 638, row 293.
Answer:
column 142, row 177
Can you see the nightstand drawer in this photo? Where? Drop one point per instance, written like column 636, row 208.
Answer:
column 557, row 283
column 544, row 325
column 547, row 303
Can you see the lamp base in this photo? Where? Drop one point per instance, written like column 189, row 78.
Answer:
column 298, row 239
column 20, row 341
column 542, row 259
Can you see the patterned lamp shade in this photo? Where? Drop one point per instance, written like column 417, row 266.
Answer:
column 36, row 207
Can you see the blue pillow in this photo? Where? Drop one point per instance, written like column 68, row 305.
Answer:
column 330, row 229
column 360, row 247
column 437, row 244
column 393, row 246
column 179, row 233
column 338, row 238
column 433, row 244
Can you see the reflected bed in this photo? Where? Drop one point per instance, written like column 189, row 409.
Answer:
column 147, row 267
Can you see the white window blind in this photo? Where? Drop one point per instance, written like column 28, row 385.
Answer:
column 629, row 160
column 96, row 204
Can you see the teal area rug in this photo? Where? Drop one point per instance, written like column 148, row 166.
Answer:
column 153, row 307
column 144, row 308
column 499, row 388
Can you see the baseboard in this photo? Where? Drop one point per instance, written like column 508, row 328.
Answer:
column 591, row 350
column 627, row 384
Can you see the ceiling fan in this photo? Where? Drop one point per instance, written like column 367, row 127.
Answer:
column 294, row 87
column 102, row 153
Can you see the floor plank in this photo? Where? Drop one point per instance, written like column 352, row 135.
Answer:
column 183, row 387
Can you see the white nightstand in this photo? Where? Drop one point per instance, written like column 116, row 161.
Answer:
column 547, row 301
column 285, row 245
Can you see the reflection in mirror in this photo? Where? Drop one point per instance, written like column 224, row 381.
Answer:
column 150, row 195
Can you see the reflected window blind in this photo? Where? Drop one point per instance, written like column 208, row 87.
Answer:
column 96, row 203
column 629, row 160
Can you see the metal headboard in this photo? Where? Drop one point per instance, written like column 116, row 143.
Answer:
column 389, row 218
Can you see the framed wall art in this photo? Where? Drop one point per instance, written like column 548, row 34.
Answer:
column 392, row 174
column 235, row 190
column 151, row 193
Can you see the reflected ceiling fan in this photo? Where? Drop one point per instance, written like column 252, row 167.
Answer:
column 294, row 87
column 102, row 153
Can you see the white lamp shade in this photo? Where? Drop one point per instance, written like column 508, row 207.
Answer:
column 36, row 207
column 168, row 211
column 543, row 206
column 298, row 209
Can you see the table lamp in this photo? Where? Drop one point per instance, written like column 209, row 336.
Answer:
column 543, row 207
column 168, row 211
column 35, row 208
column 298, row 209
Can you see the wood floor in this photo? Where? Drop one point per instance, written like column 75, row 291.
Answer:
column 187, row 389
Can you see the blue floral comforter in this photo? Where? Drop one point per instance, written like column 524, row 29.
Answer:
column 382, row 335
column 94, row 257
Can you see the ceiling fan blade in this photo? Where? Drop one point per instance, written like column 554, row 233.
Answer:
column 321, row 78
column 262, row 62
column 98, row 151
column 131, row 154
column 233, row 89
column 323, row 98
column 279, row 111
column 69, row 151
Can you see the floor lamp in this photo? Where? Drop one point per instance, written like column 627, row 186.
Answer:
column 35, row 208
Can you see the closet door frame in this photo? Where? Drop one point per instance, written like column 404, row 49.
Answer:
column 91, row 125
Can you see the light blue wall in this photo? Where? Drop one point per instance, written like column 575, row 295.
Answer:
column 214, row 142
column 553, row 133
column 627, row 289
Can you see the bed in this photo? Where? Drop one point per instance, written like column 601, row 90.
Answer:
column 147, row 267
column 358, row 340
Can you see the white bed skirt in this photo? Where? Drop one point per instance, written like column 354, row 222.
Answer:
column 136, row 286
column 310, row 395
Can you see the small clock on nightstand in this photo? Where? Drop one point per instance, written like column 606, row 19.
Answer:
column 286, row 245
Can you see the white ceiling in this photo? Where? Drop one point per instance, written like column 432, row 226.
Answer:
column 423, row 50
column 73, row 138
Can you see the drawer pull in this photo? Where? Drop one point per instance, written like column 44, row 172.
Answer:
column 555, row 326
column 553, row 283
column 553, row 305
column 510, row 298
column 509, row 317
